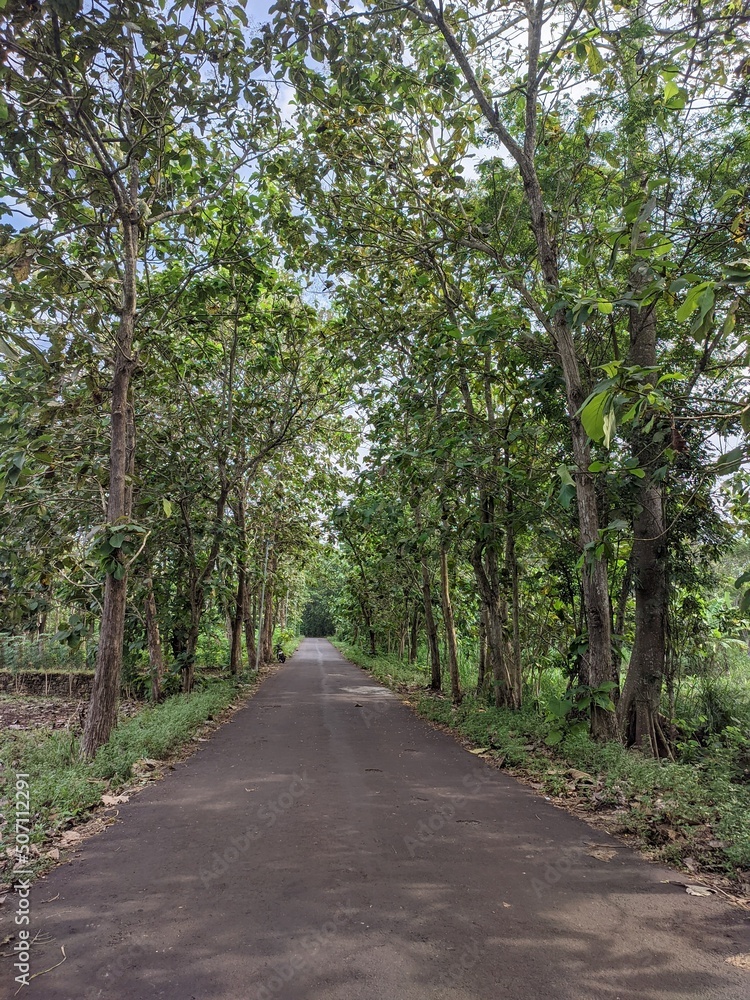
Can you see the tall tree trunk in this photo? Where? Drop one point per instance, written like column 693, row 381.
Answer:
column 101, row 717
column 235, row 659
column 450, row 626
column 511, row 570
column 198, row 584
column 155, row 653
column 638, row 708
column 364, row 599
column 482, row 665
column 239, row 616
column 249, row 624
column 430, row 628
column 622, row 606
column 414, row 634
column 268, row 621
column 483, row 557
column 599, row 662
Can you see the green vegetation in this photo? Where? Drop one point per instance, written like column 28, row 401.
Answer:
column 446, row 352
column 43, row 653
column 697, row 809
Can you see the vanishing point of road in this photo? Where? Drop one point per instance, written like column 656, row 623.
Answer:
column 326, row 844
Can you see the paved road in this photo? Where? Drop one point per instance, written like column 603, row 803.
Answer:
column 328, row 845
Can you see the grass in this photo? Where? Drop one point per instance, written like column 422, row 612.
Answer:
column 695, row 812
column 64, row 789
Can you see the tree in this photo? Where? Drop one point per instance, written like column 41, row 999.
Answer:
column 107, row 106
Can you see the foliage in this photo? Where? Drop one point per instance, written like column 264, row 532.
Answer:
column 569, row 713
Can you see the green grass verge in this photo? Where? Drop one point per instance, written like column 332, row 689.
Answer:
column 681, row 811
column 64, row 788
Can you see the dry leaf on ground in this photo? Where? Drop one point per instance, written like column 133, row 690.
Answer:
column 601, row 853
column 69, row 837
column 741, row 961
column 699, row 890
column 577, row 775
column 115, row 800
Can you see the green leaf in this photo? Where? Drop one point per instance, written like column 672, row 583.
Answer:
column 594, row 59
column 738, row 272
column 239, row 12
column 661, row 249
column 691, row 302
column 167, row 507
column 730, row 462
column 565, row 477
column 566, row 495
column 617, row 525
column 592, row 416
column 26, row 345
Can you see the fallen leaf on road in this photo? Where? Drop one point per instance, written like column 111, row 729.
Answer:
column 53, row 853
column 115, row 800
column 507, row 906
column 699, row 890
column 601, row 853
column 69, row 837
column 741, row 961
column 479, row 750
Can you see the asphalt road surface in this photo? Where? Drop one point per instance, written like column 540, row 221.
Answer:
column 326, row 844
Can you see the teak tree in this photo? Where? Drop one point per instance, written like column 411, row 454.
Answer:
column 113, row 113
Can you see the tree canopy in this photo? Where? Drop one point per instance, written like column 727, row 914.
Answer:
column 422, row 323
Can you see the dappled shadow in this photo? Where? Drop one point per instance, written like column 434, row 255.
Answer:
column 309, row 852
